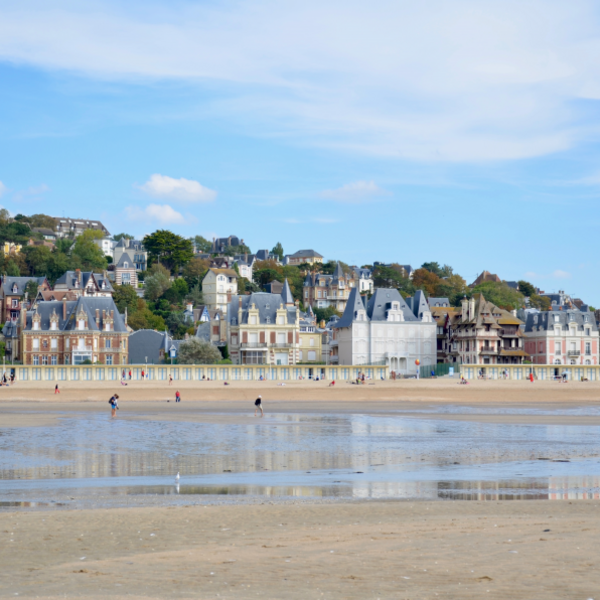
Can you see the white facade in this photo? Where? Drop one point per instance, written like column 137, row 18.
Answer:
column 107, row 246
column 385, row 332
column 218, row 287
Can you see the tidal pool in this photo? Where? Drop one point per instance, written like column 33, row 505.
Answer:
column 88, row 459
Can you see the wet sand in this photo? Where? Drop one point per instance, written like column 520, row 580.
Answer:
column 297, row 549
column 369, row 550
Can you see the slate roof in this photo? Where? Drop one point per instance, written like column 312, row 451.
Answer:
column 484, row 307
column 381, row 301
column 125, row 258
column 88, row 304
column 70, row 277
column 354, row 304
column 147, row 343
column 8, row 282
column 439, row 302
column 302, row 253
column 544, row 321
column 10, row 329
column 267, row 305
column 286, row 294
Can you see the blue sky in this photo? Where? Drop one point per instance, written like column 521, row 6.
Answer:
column 462, row 132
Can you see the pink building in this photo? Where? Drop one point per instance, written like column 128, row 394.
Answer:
column 562, row 338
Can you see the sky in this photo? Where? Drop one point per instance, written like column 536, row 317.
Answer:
column 462, row 132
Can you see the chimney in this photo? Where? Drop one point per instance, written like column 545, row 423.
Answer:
column 64, row 307
column 190, row 306
column 464, row 305
column 125, row 315
column 471, row 309
column 23, row 316
column 98, row 318
column 112, row 314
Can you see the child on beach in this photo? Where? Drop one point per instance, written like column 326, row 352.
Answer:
column 258, row 406
column 114, row 405
column 177, row 397
column 56, row 390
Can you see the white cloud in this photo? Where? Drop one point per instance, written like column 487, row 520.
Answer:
column 558, row 274
column 451, row 81
column 359, row 191
column 161, row 213
column 3, row 189
column 182, row 190
column 31, row 193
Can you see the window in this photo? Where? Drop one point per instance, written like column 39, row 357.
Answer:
column 36, row 325
column 306, row 293
column 312, row 355
column 81, row 324
column 312, row 341
column 107, row 327
column 557, row 347
column 126, row 279
column 53, row 360
column 54, row 326
column 588, row 348
column 281, row 320
column 15, row 303
column 44, row 360
column 54, row 344
column 587, row 331
column 36, row 359
column 253, row 320
column 45, row 344
column 267, row 319
column 107, row 343
column 14, row 288
column 66, row 359
column 109, row 359
column 68, row 343
column 556, row 319
column 36, row 344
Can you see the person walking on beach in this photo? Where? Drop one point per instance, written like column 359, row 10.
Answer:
column 123, row 374
column 56, row 390
column 170, row 379
column 114, row 405
column 258, row 406
column 142, row 374
column 129, row 373
column 177, row 397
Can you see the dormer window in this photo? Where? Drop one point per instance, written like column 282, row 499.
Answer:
column 126, row 265
column 107, row 327
column 103, row 285
column 556, row 319
column 36, row 325
column 15, row 289
column 81, row 324
column 53, row 325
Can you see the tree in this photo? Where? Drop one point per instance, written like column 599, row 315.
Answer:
column 195, row 270
column 323, row 314
column 233, row 250
column 195, row 295
column 144, row 318
column 426, row 280
column 245, row 285
column 169, row 249
column 177, row 291
column 203, row 244
column 278, row 251
column 447, row 271
column 432, row 267
column 64, row 245
column 541, row 302
column 390, row 277
column 526, row 288
column 177, row 324
column 57, row 265
column 125, row 297
column 86, row 254
column 454, row 288
column 156, row 285
column 31, row 289
column 43, row 221
column 37, row 259
column 500, row 294
column 4, row 217
column 119, row 236
column 12, row 270
column 198, row 352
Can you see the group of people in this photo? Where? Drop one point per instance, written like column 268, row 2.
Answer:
column 5, row 380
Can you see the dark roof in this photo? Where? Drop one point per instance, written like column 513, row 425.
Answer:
column 147, row 343
column 8, row 282
column 286, row 294
column 125, row 258
column 353, row 305
column 267, row 305
column 88, row 304
column 548, row 320
column 70, row 277
column 438, row 302
column 308, row 252
column 380, row 302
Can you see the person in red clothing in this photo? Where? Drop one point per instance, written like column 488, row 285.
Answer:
column 531, row 376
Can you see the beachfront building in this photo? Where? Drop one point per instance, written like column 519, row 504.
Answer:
column 85, row 331
column 264, row 329
column 67, row 227
column 125, row 271
column 218, row 288
column 363, row 280
column 321, row 291
column 12, row 294
column 385, row 330
column 85, row 283
column 483, row 334
column 309, row 339
column 443, row 314
column 562, row 338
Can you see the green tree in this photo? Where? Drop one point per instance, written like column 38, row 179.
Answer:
column 454, row 288
column 233, row 250
column 195, row 295
column 4, row 217
column 500, row 294
column 541, row 302
column 278, row 250
column 177, row 324
column 426, row 280
column 57, row 265
column 64, row 245
column 203, row 244
column 168, row 249
column 156, row 285
column 245, row 285
column 12, row 270
column 43, row 221
column 195, row 270
column 86, row 254
column 177, row 291
column 432, row 267
column 31, row 289
column 125, row 297
column 324, row 314
column 526, row 288
column 390, row 277
column 144, row 318
column 198, row 352
column 37, row 259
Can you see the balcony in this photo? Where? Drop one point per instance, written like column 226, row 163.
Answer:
column 282, row 345
column 488, row 350
column 573, row 353
column 253, row 345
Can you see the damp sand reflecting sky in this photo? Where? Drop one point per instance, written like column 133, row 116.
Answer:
column 91, row 458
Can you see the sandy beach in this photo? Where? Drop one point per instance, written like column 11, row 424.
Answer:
column 298, row 548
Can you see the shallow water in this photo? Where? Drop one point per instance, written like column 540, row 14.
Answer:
column 89, row 459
